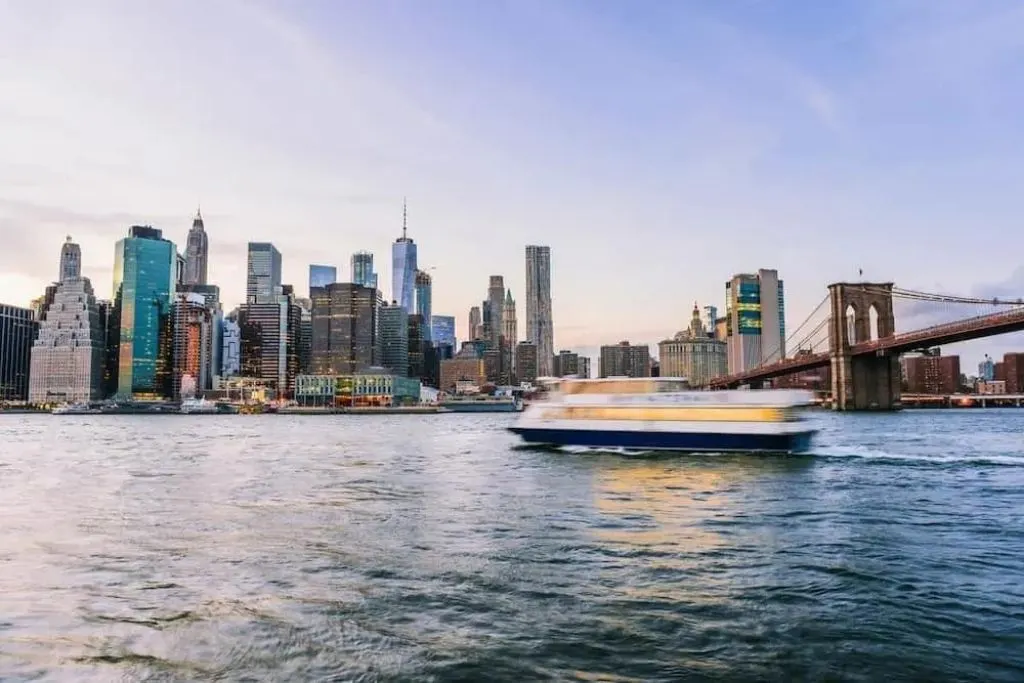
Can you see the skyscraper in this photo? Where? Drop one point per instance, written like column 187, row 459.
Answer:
column 269, row 331
column 69, row 351
column 196, row 253
column 192, row 366
column 403, row 268
column 70, row 261
column 442, row 330
column 755, row 313
column 394, row 339
column 321, row 276
column 263, row 274
column 539, row 325
column 144, row 282
column 475, row 321
column 362, row 269
column 509, row 322
column 424, row 286
column 496, row 301
column 17, row 329
column 345, row 329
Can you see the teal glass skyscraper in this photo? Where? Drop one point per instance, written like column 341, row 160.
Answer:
column 144, row 276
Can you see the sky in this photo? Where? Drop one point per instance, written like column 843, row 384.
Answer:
column 657, row 147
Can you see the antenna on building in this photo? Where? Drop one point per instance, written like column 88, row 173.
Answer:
column 404, row 217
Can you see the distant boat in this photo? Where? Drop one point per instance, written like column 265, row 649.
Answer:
column 481, row 404
column 75, row 409
column 197, row 406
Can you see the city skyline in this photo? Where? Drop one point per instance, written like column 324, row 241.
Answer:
column 811, row 151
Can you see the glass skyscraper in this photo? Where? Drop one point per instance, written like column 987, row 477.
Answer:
column 403, row 270
column 263, row 275
column 539, row 325
column 321, row 276
column 756, row 320
column 424, row 295
column 442, row 330
column 144, row 275
column 362, row 270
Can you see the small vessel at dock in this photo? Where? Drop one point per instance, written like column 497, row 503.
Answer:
column 481, row 403
column 198, row 406
column 75, row 409
column 663, row 413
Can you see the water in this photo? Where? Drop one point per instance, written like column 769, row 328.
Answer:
column 430, row 548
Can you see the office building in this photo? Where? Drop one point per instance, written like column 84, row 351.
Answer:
column 197, row 250
column 692, row 354
column 424, row 295
column 269, row 331
column 362, row 270
column 403, row 268
column 710, row 320
column 17, row 330
column 476, row 322
column 305, row 340
column 466, row 369
column 495, row 306
column 345, row 329
column 417, row 347
column 755, row 328
column 263, row 273
column 442, row 330
column 321, row 276
column 69, row 351
column 231, row 348
column 932, row 373
column 144, row 283
column 193, row 349
column 570, row 364
column 508, row 320
column 987, row 369
column 70, row 261
column 526, row 362
column 394, row 339
column 539, row 325
column 625, row 360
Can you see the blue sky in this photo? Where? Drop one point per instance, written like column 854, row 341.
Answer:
column 657, row 147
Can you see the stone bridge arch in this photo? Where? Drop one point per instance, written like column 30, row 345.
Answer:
column 867, row 381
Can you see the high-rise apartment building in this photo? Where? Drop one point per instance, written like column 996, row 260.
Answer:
column 567, row 363
column 321, row 276
column 70, row 349
column 17, row 330
column 692, row 354
column 442, row 330
column 476, row 322
column 526, row 362
column 424, row 299
column 362, row 269
column 144, row 283
column 197, row 250
column 193, row 349
column 403, row 268
column 539, row 326
column 70, row 261
column 345, row 329
column 755, row 327
column 263, row 273
column 394, row 339
column 987, row 369
column 625, row 360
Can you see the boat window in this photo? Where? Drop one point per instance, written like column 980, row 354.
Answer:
column 673, row 386
column 628, row 386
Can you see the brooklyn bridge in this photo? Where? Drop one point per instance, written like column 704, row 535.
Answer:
column 852, row 332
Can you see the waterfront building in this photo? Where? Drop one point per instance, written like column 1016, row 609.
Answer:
column 362, row 270
column 193, row 349
column 756, row 326
column 269, row 333
column 321, row 276
column 932, row 373
column 144, row 282
column 476, row 322
column 69, row 351
column 231, row 348
column 424, row 296
column 467, row 366
column 110, row 323
column 693, row 354
column 442, row 330
column 263, row 273
column 987, row 369
column 197, row 249
column 305, row 340
column 526, row 362
column 1013, row 372
column 625, row 360
column 583, row 369
column 373, row 387
column 394, row 339
column 345, row 329
column 539, row 324
column 403, row 268
column 17, row 330
column 70, row 261
column 568, row 363
column 417, row 347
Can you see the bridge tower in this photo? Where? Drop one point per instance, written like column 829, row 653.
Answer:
column 864, row 381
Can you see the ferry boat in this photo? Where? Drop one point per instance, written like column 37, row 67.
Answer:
column 663, row 413
column 481, row 404
column 74, row 409
column 197, row 406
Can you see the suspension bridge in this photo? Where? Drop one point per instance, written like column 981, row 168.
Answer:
column 853, row 332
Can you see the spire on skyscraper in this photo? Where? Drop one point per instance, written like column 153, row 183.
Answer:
column 405, row 215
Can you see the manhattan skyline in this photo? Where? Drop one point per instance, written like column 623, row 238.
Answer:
column 674, row 146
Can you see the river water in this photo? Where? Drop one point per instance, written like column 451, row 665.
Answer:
column 432, row 548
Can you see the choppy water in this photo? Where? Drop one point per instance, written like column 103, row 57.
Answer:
column 429, row 548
